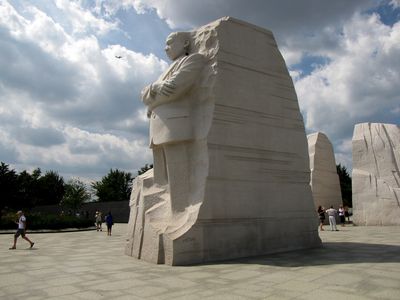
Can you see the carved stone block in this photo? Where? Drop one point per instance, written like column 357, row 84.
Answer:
column 231, row 175
column 376, row 176
column 324, row 182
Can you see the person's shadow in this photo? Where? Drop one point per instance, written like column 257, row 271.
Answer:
column 24, row 249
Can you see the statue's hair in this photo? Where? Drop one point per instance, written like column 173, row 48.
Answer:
column 183, row 35
column 201, row 41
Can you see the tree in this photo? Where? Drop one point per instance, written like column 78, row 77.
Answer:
column 115, row 186
column 145, row 169
column 51, row 189
column 8, row 187
column 345, row 185
column 75, row 195
column 28, row 188
column 28, row 191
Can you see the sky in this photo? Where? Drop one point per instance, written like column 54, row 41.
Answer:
column 67, row 104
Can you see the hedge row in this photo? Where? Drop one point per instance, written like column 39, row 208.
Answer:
column 39, row 221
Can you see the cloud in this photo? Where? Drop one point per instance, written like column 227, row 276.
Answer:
column 66, row 103
column 79, row 153
column 8, row 151
column 40, row 137
column 359, row 84
column 82, row 21
column 395, row 3
column 298, row 14
column 299, row 26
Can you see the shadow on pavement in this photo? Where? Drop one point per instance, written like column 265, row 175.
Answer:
column 330, row 253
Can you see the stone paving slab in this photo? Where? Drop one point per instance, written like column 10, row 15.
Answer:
column 354, row 263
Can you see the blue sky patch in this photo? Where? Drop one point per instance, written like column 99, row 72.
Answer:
column 309, row 63
column 387, row 13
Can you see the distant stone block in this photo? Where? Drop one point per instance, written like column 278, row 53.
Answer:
column 324, row 182
column 376, row 176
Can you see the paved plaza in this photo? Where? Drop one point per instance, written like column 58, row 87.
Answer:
column 354, row 263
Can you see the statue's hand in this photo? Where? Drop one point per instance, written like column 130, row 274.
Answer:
column 145, row 94
column 153, row 90
column 166, row 88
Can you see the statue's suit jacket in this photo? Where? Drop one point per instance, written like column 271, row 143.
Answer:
column 171, row 120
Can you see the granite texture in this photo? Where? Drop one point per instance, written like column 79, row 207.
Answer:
column 231, row 167
column 376, row 176
column 324, row 182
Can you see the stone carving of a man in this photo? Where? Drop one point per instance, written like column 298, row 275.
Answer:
column 170, row 102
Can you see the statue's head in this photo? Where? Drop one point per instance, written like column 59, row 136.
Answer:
column 177, row 45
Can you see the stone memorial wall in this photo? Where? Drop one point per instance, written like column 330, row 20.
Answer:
column 231, row 167
column 324, row 182
column 376, row 175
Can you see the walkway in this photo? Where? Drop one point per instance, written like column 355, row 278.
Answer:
column 355, row 263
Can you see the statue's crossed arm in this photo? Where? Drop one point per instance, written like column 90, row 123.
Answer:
column 175, row 83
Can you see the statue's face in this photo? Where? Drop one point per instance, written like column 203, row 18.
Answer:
column 175, row 47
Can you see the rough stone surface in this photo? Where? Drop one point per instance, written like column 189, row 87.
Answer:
column 324, row 182
column 376, row 176
column 237, row 183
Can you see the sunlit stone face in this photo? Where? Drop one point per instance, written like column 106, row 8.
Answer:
column 175, row 47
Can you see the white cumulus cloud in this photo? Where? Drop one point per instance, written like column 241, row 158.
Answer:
column 66, row 102
column 359, row 84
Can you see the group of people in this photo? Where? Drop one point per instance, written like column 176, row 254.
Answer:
column 108, row 220
column 21, row 230
column 343, row 213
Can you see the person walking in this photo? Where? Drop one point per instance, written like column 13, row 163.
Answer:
column 21, row 230
column 332, row 218
column 109, row 222
column 321, row 216
column 341, row 215
column 347, row 214
column 98, row 221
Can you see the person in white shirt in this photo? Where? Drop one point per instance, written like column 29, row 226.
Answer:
column 332, row 218
column 21, row 230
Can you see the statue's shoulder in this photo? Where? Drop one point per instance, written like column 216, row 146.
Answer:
column 196, row 57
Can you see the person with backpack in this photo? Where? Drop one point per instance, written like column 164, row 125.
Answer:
column 109, row 222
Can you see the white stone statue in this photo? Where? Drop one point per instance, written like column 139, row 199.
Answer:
column 170, row 102
column 324, row 182
column 231, row 167
column 376, row 175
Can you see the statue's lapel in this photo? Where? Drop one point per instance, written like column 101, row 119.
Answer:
column 174, row 67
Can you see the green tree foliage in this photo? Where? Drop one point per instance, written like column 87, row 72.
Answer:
column 51, row 189
column 75, row 195
column 345, row 185
column 28, row 187
column 24, row 190
column 145, row 169
column 115, row 186
column 27, row 190
column 8, row 187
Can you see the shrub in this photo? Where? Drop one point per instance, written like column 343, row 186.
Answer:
column 7, row 221
column 39, row 221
